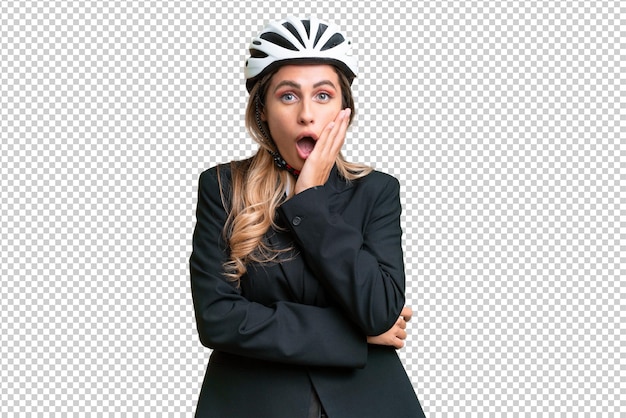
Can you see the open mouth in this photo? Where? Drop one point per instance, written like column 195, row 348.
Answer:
column 305, row 146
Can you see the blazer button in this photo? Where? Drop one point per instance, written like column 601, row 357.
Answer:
column 296, row 220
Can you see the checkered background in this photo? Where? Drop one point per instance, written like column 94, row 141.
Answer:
column 502, row 120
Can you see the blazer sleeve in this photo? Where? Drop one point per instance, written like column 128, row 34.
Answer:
column 362, row 266
column 285, row 332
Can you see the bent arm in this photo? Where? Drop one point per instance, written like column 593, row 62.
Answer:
column 362, row 266
column 285, row 332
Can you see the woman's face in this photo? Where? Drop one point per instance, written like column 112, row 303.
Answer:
column 300, row 101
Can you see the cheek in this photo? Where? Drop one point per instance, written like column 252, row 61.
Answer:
column 279, row 130
column 331, row 114
column 276, row 123
column 273, row 114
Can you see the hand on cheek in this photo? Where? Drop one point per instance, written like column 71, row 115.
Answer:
column 319, row 164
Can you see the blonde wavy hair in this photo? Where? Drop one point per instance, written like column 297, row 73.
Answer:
column 259, row 187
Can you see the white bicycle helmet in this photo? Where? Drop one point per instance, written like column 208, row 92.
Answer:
column 301, row 41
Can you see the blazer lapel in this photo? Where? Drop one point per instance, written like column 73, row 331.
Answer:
column 300, row 279
column 292, row 265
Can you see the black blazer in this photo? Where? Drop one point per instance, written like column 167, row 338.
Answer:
column 301, row 323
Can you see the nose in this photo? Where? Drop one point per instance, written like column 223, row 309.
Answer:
column 305, row 116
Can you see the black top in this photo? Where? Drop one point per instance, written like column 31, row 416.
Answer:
column 302, row 322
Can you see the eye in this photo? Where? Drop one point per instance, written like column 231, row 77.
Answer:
column 288, row 97
column 324, row 96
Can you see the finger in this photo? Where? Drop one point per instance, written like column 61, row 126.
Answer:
column 339, row 128
column 397, row 344
column 325, row 142
column 326, row 134
column 343, row 129
column 338, row 133
column 402, row 334
column 406, row 313
column 401, row 323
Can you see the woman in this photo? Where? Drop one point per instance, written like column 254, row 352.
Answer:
column 297, row 271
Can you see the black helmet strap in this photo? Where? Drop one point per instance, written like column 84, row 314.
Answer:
column 278, row 159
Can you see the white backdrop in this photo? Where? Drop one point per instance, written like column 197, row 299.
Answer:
column 502, row 120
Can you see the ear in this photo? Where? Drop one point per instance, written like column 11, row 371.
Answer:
column 262, row 113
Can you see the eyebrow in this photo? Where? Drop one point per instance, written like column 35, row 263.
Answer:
column 298, row 86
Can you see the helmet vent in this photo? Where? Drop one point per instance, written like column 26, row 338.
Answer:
column 334, row 40
column 298, row 41
column 255, row 53
column 320, row 31
column 307, row 26
column 278, row 40
column 294, row 32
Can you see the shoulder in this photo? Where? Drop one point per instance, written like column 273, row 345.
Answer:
column 379, row 181
column 380, row 177
column 377, row 190
column 222, row 174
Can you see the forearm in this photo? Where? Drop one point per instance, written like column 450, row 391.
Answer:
column 286, row 331
column 360, row 265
